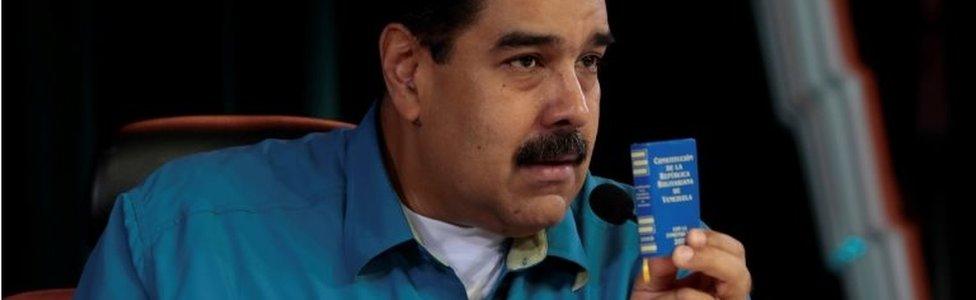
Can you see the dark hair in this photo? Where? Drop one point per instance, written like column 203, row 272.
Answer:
column 435, row 23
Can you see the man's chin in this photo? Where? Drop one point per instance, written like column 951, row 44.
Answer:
column 541, row 212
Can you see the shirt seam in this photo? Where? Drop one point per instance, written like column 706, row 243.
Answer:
column 159, row 231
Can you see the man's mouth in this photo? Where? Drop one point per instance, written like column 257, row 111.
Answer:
column 568, row 159
column 550, row 172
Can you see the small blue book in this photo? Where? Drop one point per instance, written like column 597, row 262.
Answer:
column 666, row 199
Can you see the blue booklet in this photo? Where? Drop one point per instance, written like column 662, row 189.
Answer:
column 666, row 199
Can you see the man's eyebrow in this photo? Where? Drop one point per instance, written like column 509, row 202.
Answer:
column 519, row 39
column 601, row 39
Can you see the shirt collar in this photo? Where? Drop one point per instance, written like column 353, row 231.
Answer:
column 562, row 241
column 374, row 221
column 564, row 238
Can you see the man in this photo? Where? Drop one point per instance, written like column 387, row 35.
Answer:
column 468, row 180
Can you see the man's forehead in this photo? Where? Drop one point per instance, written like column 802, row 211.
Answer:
column 560, row 21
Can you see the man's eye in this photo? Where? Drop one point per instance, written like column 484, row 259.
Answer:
column 525, row 62
column 591, row 63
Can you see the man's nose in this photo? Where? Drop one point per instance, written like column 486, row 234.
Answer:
column 567, row 104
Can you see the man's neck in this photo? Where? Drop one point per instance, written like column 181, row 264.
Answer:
column 398, row 143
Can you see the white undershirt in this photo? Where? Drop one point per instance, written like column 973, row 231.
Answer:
column 473, row 253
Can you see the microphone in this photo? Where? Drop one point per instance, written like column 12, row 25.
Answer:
column 612, row 204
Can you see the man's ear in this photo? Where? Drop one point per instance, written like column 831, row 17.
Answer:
column 399, row 56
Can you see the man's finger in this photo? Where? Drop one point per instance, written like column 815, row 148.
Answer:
column 698, row 238
column 687, row 294
column 728, row 269
column 698, row 281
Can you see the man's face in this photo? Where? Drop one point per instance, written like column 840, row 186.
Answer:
column 509, row 120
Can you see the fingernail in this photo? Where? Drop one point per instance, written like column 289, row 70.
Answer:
column 646, row 271
column 683, row 254
column 697, row 238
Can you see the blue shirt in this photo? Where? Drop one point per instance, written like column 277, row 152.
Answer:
column 317, row 218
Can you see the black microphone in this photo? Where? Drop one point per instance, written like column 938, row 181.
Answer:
column 612, row 204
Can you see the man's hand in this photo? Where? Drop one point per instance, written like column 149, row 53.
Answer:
column 717, row 260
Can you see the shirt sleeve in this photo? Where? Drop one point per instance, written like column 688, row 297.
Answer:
column 110, row 272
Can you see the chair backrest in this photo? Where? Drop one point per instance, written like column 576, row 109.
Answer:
column 141, row 147
column 51, row 294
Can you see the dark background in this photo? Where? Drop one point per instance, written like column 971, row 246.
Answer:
column 76, row 71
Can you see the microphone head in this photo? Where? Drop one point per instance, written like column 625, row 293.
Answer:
column 612, row 204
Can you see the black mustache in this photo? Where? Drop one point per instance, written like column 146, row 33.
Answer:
column 550, row 147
